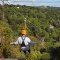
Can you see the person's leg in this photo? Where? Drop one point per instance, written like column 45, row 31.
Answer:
column 24, row 52
column 29, row 51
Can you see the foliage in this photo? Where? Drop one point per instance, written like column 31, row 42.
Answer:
column 35, row 55
column 55, row 53
column 41, row 22
column 45, row 56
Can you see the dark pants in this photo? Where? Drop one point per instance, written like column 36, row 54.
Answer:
column 28, row 51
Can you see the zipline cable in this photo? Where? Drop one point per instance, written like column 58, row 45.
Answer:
column 37, row 1
column 33, row 25
column 15, row 9
column 25, row 19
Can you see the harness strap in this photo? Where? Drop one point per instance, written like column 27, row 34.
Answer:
column 23, row 38
column 23, row 43
column 23, row 46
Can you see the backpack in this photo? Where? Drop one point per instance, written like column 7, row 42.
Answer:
column 23, row 43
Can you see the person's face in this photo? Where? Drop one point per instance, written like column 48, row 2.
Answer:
column 23, row 35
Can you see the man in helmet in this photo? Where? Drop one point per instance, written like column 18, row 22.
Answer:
column 23, row 41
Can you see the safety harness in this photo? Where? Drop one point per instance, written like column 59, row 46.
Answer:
column 23, row 46
column 23, row 43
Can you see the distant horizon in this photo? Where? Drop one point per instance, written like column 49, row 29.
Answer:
column 51, row 3
column 32, row 6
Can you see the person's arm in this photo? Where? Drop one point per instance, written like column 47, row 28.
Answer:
column 30, row 42
column 33, row 42
column 14, row 43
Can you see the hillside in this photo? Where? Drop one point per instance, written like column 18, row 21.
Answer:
column 43, row 26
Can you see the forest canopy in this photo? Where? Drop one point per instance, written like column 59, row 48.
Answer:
column 43, row 26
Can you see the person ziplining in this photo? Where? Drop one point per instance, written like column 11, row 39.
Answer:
column 24, row 41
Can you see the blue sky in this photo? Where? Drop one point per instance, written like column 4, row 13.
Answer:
column 54, row 3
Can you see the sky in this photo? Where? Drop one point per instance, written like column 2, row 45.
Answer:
column 54, row 3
